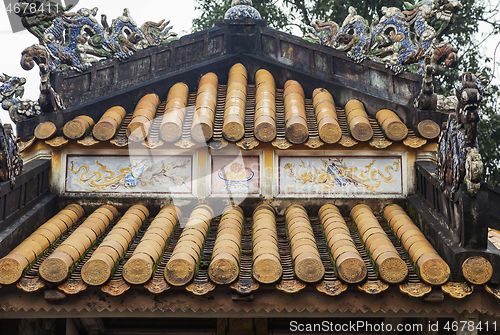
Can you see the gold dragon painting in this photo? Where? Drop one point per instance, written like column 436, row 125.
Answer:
column 102, row 174
column 336, row 175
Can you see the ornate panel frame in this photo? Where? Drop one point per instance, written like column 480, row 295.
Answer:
column 235, row 152
column 61, row 184
column 404, row 172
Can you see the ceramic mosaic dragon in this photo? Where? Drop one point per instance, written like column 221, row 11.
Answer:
column 397, row 39
column 11, row 163
column 458, row 155
column 75, row 40
column 11, row 92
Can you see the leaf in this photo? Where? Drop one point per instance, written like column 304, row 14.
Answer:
column 322, row 178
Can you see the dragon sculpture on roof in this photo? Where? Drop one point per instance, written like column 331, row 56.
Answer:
column 72, row 41
column 398, row 39
column 412, row 38
column 11, row 92
column 75, row 40
column 459, row 159
column 11, row 163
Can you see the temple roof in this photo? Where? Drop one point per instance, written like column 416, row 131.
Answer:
column 249, row 141
column 202, row 285
column 156, row 69
column 122, row 89
column 329, row 284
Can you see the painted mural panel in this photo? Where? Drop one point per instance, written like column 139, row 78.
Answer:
column 340, row 175
column 129, row 174
column 235, row 175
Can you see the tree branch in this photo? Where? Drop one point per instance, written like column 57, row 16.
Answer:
column 302, row 7
column 475, row 46
column 494, row 24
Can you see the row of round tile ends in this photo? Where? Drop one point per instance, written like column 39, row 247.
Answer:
column 202, row 129
column 225, row 263
column 32, row 248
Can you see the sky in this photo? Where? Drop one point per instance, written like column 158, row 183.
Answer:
column 179, row 12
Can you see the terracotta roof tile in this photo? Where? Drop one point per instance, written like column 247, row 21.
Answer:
column 201, row 284
column 494, row 237
column 249, row 141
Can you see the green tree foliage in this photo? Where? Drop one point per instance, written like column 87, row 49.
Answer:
column 213, row 10
column 287, row 15
column 489, row 141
